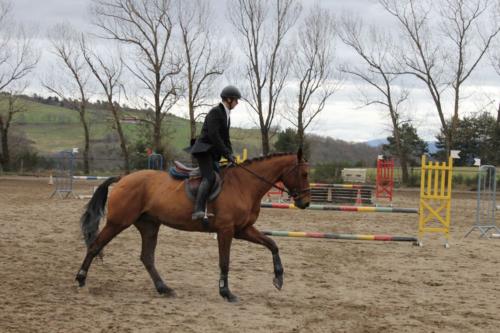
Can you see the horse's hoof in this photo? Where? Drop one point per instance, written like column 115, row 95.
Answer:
column 229, row 296
column 80, row 277
column 278, row 282
column 166, row 291
column 170, row 293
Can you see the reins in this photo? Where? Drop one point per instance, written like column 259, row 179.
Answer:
column 293, row 193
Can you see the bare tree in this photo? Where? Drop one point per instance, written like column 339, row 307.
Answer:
column 18, row 58
column 203, row 60
column 146, row 27
column 72, row 84
column 312, row 66
column 376, row 49
column 263, row 27
column 108, row 73
column 448, row 62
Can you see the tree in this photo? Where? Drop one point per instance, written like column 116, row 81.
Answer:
column 289, row 141
column 375, row 48
column 312, row 67
column 475, row 138
column 108, row 73
column 18, row 58
column 263, row 27
column 443, row 63
column 203, row 61
column 145, row 27
column 72, row 83
column 412, row 146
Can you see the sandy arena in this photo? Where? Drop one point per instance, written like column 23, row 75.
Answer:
column 330, row 286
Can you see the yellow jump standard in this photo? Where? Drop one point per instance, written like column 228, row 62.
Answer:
column 435, row 198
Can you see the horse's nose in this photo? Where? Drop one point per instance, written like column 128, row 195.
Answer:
column 301, row 204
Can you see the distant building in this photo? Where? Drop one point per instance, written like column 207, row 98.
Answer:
column 130, row 120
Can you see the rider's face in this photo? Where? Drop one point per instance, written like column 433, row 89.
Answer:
column 233, row 103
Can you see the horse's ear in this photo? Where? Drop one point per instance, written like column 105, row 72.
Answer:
column 299, row 154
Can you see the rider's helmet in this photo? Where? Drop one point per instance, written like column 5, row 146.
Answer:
column 230, row 92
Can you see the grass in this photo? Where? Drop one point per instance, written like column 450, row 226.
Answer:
column 53, row 128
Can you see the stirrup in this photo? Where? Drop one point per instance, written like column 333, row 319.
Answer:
column 201, row 215
column 198, row 215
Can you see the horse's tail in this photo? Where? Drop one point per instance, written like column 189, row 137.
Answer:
column 94, row 211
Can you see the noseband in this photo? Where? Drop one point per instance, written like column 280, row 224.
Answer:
column 296, row 194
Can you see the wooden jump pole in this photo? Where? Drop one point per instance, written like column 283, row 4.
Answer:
column 329, row 235
column 359, row 209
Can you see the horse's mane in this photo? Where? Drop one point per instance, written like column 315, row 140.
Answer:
column 262, row 158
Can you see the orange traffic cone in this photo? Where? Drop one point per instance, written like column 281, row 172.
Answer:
column 358, row 198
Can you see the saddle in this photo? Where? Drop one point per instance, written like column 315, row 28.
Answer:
column 192, row 180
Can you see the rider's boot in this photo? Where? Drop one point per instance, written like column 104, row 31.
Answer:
column 201, row 199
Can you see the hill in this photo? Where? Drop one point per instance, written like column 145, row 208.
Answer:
column 52, row 126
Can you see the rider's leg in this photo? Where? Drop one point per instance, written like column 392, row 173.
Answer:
column 205, row 163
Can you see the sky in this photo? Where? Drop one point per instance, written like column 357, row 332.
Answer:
column 343, row 117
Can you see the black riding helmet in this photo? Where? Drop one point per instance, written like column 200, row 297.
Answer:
column 230, row 92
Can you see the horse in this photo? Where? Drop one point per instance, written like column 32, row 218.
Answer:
column 150, row 198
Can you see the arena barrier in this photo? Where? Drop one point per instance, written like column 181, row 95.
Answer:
column 386, row 238
column 155, row 161
column 359, row 209
column 486, row 203
column 62, row 177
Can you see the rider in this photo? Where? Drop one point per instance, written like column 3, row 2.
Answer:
column 213, row 143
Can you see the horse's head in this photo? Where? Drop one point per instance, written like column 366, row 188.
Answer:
column 295, row 178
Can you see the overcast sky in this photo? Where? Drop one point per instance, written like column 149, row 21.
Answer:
column 343, row 118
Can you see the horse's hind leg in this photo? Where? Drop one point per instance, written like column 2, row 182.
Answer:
column 107, row 233
column 253, row 235
column 149, row 234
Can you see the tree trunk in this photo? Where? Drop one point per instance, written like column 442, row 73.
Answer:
column 5, row 156
column 123, row 142
column 300, row 129
column 265, row 141
column 86, row 164
column 401, row 153
column 157, row 138
column 498, row 115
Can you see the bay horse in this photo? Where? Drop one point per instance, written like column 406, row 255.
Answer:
column 149, row 198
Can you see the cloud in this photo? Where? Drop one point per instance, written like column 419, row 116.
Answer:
column 342, row 117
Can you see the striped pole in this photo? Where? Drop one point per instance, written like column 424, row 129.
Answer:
column 359, row 209
column 301, row 234
column 90, row 177
column 356, row 186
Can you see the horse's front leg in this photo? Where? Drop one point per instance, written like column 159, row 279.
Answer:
column 253, row 235
column 224, row 238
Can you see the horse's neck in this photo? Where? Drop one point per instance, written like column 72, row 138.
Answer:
column 270, row 170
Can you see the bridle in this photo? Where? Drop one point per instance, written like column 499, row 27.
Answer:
column 296, row 194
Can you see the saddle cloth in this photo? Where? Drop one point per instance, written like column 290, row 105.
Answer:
column 192, row 180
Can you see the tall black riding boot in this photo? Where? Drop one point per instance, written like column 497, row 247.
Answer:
column 201, row 199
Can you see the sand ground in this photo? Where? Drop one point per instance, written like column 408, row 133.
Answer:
column 330, row 286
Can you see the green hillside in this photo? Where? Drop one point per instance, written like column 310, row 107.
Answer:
column 53, row 128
